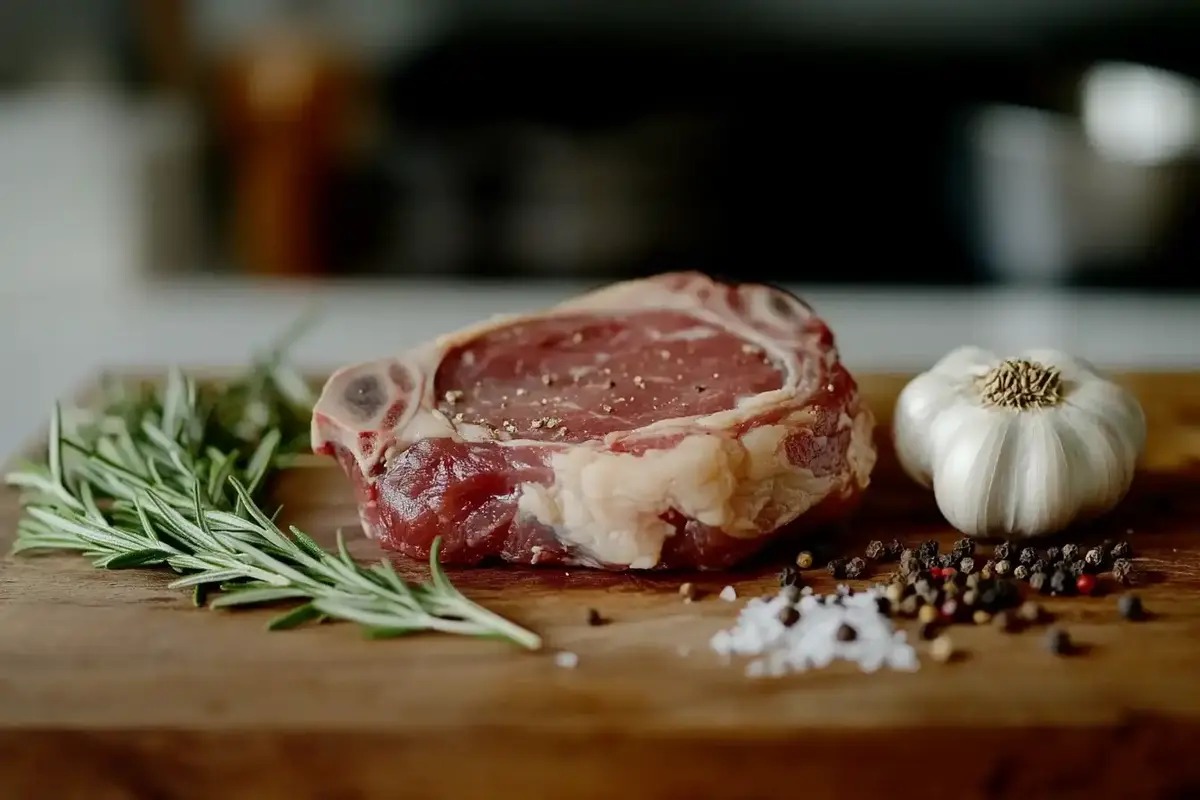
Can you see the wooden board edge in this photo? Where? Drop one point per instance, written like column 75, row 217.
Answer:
column 1118, row 760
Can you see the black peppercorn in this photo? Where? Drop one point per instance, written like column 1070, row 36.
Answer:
column 1037, row 581
column 788, row 576
column 1028, row 556
column 1094, row 558
column 1003, row 567
column 846, row 633
column 594, row 618
column 1058, row 642
column 1002, row 552
column 1037, row 566
column 1021, row 572
column 1053, row 553
column 836, row 567
column 1061, row 583
column 1070, row 552
column 927, row 549
column 967, row 565
column 1076, row 568
column 988, row 598
column 875, row 550
column 856, row 568
column 883, row 605
column 1130, row 606
column 1122, row 570
column 963, row 547
column 789, row 616
column 946, row 561
column 893, row 550
column 1008, row 593
column 1121, row 550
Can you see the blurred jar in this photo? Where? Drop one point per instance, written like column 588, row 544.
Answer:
column 288, row 105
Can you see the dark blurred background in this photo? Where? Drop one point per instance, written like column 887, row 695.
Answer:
column 892, row 142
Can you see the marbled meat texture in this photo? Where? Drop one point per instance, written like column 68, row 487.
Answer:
column 669, row 422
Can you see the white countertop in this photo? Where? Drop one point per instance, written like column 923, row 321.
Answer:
column 50, row 341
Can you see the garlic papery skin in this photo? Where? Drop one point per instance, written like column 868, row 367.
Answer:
column 1018, row 447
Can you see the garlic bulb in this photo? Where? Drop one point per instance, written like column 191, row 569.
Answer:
column 1018, row 447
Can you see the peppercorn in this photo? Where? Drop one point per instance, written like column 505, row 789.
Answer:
column 1076, row 568
column 856, row 568
column 1070, row 552
column 1003, row 567
column 883, row 606
column 928, row 631
column 836, row 567
column 946, row 560
column 790, row 593
column 1094, row 558
column 688, row 592
column 1021, row 572
column 893, row 550
column 973, row 580
column 922, row 586
column 988, row 597
column 875, row 550
column 1037, row 581
column 927, row 613
column 1007, row 593
column 1037, row 566
column 789, row 577
column 804, row 559
column 927, row 550
column 846, row 633
column 1058, row 642
column 988, row 570
column 1121, row 549
column 1122, row 570
column 1027, row 556
column 970, row 598
column 594, row 618
column 1002, row 551
column 789, row 616
column 1130, row 607
column 963, row 548
column 1053, row 553
column 949, row 609
column 895, row 592
column 1086, row 584
column 1059, row 582
column 942, row 649
column 909, row 605
column 967, row 565
column 930, row 597
column 1003, row 621
column 1029, row 612
column 951, row 590
column 929, row 563
column 936, row 573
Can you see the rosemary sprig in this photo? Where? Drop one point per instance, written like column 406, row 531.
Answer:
column 159, row 478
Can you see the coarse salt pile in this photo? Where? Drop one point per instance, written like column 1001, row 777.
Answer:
column 845, row 626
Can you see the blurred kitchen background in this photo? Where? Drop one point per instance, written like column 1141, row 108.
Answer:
column 849, row 142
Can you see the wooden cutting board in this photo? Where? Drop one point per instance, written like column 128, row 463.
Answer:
column 111, row 685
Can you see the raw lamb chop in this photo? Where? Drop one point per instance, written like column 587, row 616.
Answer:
column 669, row 422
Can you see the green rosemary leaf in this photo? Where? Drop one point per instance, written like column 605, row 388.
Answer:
column 134, row 558
column 261, row 461
column 390, row 632
column 294, row 618
column 200, row 594
column 258, row 595
column 306, row 543
column 212, row 576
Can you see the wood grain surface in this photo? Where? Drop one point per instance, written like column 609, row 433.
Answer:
column 113, row 686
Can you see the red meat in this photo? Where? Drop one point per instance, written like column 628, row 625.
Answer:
column 670, row 422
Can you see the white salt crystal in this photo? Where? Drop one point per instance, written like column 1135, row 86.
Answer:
column 812, row 642
column 566, row 660
column 728, row 594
